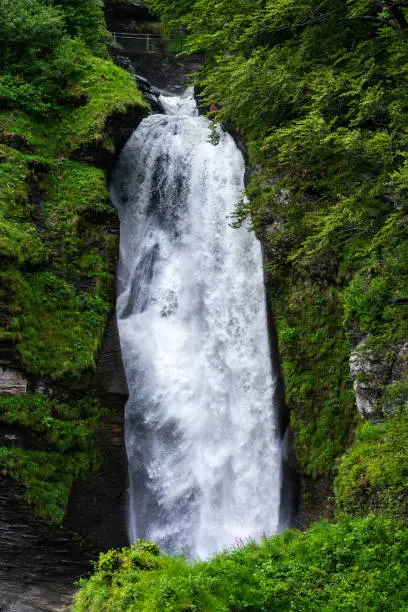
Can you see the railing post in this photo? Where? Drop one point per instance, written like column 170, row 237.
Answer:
column 148, row 43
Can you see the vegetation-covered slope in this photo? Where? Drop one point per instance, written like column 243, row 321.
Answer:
column 357, row 565
column 318, row 90
column 58, row 230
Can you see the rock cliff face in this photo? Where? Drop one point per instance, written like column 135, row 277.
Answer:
column 12, row 382
column 38, row 563
column 97, row 506
column 373, row 371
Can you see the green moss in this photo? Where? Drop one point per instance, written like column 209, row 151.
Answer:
column 103, row 90
column 75, row 196
column 56, row 216
column 20, row 240
column 60, row 310
column 62, row 425
column 355, row 565
column 314, row 350
column 374, row 297
column 59, row 328
column 47, row 477
column 373, row 473
column 58, row 228
column 107, row 90
column 67, row 448
column 39, row 133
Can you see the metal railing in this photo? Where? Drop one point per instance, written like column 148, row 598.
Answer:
column 125, row 43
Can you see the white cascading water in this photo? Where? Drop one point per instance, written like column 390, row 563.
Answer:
column 201, row 432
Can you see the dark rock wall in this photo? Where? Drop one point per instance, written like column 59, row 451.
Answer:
column 110, row 374
column 373, row 371
column 97, row 506
column 118, row 14
column 38, row 563
column 167, row 72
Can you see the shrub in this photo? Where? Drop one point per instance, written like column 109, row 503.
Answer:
column 373, row 473
column 354, row 565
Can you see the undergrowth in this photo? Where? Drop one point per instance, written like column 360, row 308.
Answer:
column 354, row 565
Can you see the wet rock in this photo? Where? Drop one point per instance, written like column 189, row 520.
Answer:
column 12, row 382
column 118, row 128
column 316, row 501
column 13, row 140
column 373, row 372
column 110, row 374
column 400, row 366
column 39, row 563
column 97, row 506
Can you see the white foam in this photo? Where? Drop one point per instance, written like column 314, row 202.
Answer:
column 201, row 436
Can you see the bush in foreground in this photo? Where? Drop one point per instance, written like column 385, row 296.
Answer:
column 354, row 565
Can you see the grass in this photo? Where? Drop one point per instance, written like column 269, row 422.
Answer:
column 354, row 565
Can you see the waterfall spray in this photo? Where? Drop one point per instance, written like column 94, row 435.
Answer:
column 201, row 431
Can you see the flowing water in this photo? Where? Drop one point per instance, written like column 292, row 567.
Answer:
column 201, row 431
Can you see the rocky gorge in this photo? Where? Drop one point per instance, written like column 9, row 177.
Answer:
column 336, row 308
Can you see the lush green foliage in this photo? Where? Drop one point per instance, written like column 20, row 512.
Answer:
column 107, row 89
column 58, row 230
column 355, row 565
column 56, row 217
column 45, row 47
column 373, row 473
column 314, row 349
column 66, row 448
column 319, row 92
column 60, row 308
column 102, row 90
column 19, row 238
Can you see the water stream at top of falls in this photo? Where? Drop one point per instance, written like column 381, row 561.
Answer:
column 201, row 430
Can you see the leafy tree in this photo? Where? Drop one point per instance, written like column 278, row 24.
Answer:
column 45, row 48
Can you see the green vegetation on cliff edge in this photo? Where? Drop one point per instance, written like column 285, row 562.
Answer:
column 57, row 90
column 58, row 230
column 318, row 91
column 65, row 448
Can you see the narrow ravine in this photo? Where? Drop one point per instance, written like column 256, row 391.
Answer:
column 201, row 428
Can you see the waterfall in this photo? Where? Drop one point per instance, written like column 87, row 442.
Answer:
column 201, row 431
